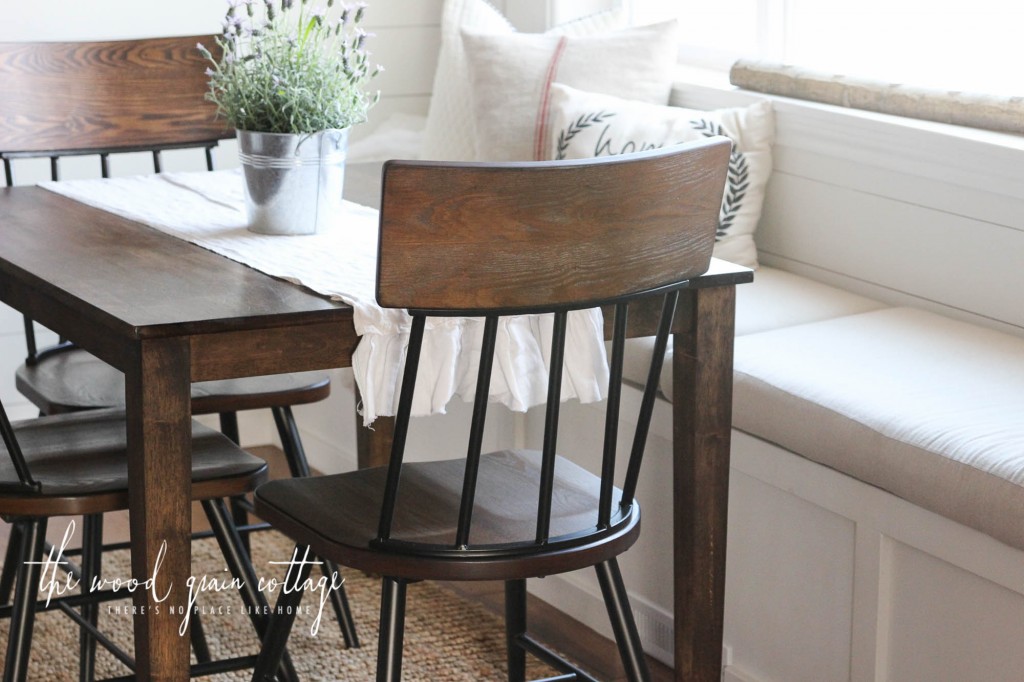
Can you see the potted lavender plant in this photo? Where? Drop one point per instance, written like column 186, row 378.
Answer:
column 292, row 79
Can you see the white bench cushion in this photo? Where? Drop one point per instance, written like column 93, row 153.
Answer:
column 774, row 299
column 925, row 407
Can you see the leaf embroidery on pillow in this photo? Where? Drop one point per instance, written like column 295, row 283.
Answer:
column 737, row 181
column 577, row 126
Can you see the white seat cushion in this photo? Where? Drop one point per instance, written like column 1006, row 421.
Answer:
column 925, row 407
column 774, row 299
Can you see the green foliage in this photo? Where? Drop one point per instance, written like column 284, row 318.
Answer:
column 288, row 68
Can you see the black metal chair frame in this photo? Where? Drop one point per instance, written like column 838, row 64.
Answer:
column 611, row 518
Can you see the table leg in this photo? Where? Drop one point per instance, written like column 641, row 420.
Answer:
column 702, row 413
column 160, row 475
column 373, row 445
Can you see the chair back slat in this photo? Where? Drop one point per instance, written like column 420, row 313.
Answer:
column 611, row 418
column 550, row 442
column 476, row 430
column 522, row 235
column 643, row 423
column 401, row 430
column 74, row 96
column 495, row 240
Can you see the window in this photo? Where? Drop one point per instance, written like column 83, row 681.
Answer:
column 972, row 46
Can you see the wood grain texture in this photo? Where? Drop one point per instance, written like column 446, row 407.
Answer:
column 105, row 95
column 157, row 397
column 702, row 422
column 520, row 235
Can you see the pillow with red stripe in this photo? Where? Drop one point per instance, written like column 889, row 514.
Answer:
column 511, row 75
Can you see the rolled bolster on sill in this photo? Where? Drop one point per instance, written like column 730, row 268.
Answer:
column 975, row 110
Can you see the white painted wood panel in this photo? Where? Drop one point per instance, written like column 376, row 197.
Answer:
column 801, row 590
column 949, row 625
column 957, row 261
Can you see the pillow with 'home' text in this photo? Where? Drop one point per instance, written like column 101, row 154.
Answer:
column 586, row 124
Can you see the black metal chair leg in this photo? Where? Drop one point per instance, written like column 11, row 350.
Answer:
column 291, row 442
column 240, row 566
column 515, row 626
column 197, row 638
column 392, row 630
column 342, row 610
column 295, row 454
column 229, row 427
column 281, row 619
column 623, row 625
column 11, row 561
column 92, row 566
column 22, row 619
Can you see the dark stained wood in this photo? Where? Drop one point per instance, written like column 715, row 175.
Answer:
column 79, row 461
column 105, row 95
column 373, row 443
column 73, row 380
column 702, row 410
column 521, row 235
column 158, row 401
column 240, row 353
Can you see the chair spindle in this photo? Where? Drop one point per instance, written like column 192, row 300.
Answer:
column 412, row 361
column 476, row 432
column 611, row 420
column 668, row 313
column 547, row 476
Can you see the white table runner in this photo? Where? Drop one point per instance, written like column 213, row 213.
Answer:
column 207, row 209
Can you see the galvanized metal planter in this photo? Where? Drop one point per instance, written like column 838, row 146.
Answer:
column 293, row 183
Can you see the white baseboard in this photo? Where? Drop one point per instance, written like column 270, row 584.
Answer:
column 733, row 673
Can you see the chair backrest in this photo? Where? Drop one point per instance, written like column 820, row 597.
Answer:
column 544, row 237
column 58, row 99
column 85, row 98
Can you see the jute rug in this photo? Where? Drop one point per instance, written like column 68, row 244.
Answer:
column 446, row 637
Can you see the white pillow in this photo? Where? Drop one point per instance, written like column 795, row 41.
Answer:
column 449, row 133
column 511, row 75
column 585, row 124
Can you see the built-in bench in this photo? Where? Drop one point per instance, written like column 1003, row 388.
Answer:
column 877, row 494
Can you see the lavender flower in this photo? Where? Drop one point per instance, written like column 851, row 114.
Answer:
column 286, row 69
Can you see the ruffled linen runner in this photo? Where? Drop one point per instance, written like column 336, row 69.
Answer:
column 207, row 209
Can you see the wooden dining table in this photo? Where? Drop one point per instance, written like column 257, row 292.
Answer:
column 168, row 313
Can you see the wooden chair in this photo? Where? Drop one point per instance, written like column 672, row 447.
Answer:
column 99, row 98
column 494, row 240
column 75, row 464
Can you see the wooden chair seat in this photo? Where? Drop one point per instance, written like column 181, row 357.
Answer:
column 79, row 462
column 73, row 380
column 428, row 513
